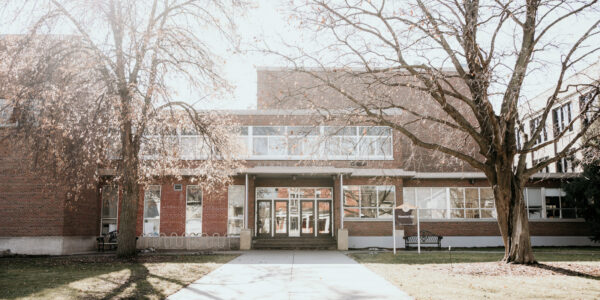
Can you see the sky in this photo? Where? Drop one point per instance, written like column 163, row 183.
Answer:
column 266, row 22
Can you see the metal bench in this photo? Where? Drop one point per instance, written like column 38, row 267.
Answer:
column 107, row 240
column 427, row 238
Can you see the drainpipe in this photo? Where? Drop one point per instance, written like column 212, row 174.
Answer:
column 246, row 205
column 341, row 201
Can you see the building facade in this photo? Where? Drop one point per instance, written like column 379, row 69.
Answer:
column 303, row 177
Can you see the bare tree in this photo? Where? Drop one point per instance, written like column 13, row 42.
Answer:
column 456, row 70
column 104, row 95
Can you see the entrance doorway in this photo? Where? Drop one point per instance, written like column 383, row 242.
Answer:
column 294, row 212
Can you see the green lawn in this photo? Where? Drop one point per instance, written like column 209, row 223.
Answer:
column 102, row 277
column 473, row 255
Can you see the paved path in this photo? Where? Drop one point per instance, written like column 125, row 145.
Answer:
column 291, row 275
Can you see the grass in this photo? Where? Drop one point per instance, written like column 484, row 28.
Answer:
column 473, row 255
column 102, row 277
column 563, row 273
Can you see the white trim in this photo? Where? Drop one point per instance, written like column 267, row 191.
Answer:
column 144, row 207
column 187, row 188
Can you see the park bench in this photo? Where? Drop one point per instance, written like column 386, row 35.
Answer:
column 427, row 238
column 107, row 240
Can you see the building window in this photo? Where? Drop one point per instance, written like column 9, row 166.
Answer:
column 533, row 125
column 5, row 112
column 545, row 169
column 565, row 165
column 193, row 210
column 589, row 111
column 451, row 202
column 235, row 198
column 543, row 203
column 561, row 117
column 369, row 202
column 152, row 210
column 110, row 209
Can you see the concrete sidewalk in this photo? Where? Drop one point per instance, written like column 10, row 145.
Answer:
column 291, row 275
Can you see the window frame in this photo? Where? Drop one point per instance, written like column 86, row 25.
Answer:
column 378, row 208
column 102, row 218
column 158, row 209
column 229, row 211
column 187, row 195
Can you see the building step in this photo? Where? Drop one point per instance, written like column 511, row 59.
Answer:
column 322, row 243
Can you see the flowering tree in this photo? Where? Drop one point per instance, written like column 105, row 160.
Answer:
column 104, row 95
column 456, row 70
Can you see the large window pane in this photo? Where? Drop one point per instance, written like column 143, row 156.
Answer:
column 408, row 195
column 236, row 195
column 277, row 146
column 152, row 210
column 386, row 196
column 110, row 201
column 193, row 213
column 260, row 146
column 534, row 202
column 368, row 196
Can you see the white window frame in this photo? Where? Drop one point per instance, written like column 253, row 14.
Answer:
column 448, row 209
column 229, row 215
column 158, row 207
column 102, row 218
column 376, row 207
column 187, row 193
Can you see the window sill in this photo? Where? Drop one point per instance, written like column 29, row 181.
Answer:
column 366, row 220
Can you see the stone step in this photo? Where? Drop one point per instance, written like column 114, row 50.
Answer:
column 295, row 243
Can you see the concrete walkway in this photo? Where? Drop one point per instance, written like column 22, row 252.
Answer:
column 291, row 275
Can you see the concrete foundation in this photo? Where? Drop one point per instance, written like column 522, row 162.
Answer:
column 245, row 239
column 342, row 239
column 359, row 242
column 48, row 245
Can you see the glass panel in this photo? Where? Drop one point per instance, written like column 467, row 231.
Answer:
column 281, row 217
column 266, row 193
column 193, row 227
column 351, row 212
column 295, row 146
column 108, row 225
column 457, row 213
column 457, row 198
column 324, row 221
column 294, row 218
column 487, row 198
column 152, row 202
column 385, row 213
column 110, row 201
column 438, row 198
column 386, row 196
column 488, row 213
column 308, row 217
column 338, row 130
column 324, row 193
column 351, row 196
column 277, row 146
column 423, row 196
column 348, row 146
column 267, row 130
column 552, row 207
column 235, row 198
column 302, row 130
column 368, row 196
column 472, row 198
column 408, row 195
column 368, row 213
column 472, row 213
column 263, row 222
column 151, row 227
column 260, row 146
column 306, row 193
column 534, row 201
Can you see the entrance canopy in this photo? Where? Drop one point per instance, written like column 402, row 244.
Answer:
column 320, row 171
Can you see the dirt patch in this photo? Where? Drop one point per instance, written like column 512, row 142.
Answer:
column 502, row 269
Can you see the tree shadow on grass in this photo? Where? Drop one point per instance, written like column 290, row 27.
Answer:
column 563, row 271
column 139, row 276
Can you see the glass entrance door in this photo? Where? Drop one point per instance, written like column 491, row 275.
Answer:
column 324, row 217
column 281, row 217
column 308, row 217
column 294, row 217
column 263, row 221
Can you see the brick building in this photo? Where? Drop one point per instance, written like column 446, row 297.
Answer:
column 304, row 177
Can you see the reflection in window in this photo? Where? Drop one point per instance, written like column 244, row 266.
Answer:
column 110, row 208
column 235, row 197
column 152, row 210
column 452, row 202
column 369, row 201
column 193, row 210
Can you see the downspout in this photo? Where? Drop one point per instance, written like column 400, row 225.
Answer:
column 341, row 201
column 246, row 205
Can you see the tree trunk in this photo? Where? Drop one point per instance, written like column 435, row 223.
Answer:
column 513, row 218
column 128, row 217
column 129, row 170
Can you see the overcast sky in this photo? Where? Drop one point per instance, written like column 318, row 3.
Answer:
column 268, row 22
